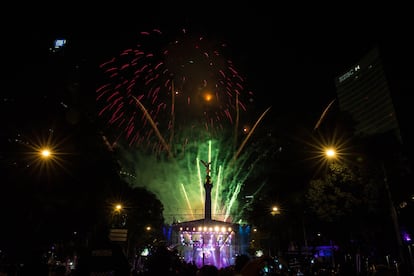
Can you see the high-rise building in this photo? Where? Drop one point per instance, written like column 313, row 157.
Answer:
column 364, row 93
column 374, row 97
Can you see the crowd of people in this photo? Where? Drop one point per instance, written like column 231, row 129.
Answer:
column 164, row 262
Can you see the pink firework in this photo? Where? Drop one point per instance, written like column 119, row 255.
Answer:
column 163, row 86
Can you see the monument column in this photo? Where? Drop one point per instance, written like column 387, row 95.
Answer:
column 207, row 187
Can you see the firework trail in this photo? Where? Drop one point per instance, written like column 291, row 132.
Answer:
column 178, row 183
column 325, row 111
column 181, row 98
column 181, row 81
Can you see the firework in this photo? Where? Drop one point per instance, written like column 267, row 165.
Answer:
column 165, row 84
column 180, row 95
column 180, row 184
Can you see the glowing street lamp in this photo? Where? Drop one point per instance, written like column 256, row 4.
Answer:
column 330, row 153
column 274, row 239
column 275, row 211
column 44, row 159
column 329, row 156
column 118, row 208
column 119, row 217
column 44, row 156
column 327, row 153
column 45, row 153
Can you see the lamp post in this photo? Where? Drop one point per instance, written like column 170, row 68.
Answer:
column 118, row 232
column 119, row 216
column 331, row 155
column 274, row 212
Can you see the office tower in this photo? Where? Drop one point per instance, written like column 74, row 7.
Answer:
column 380, row 110
column 364, row 93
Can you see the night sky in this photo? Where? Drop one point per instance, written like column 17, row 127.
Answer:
column 288, row 54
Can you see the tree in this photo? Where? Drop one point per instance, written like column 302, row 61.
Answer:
column 144, row 221
column 341, row 193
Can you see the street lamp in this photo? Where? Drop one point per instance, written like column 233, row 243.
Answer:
column 45, row 157
column 327, row 153
column 118, row 232
column 118, row 208
column 118, row 216
column 275, row 211
column 45, row 153
column 330, row 153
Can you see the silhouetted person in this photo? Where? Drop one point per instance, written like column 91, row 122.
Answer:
column 241, row 261
column 208, row 270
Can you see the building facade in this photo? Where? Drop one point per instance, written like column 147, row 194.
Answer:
column 364, row 93
column 374, row 99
